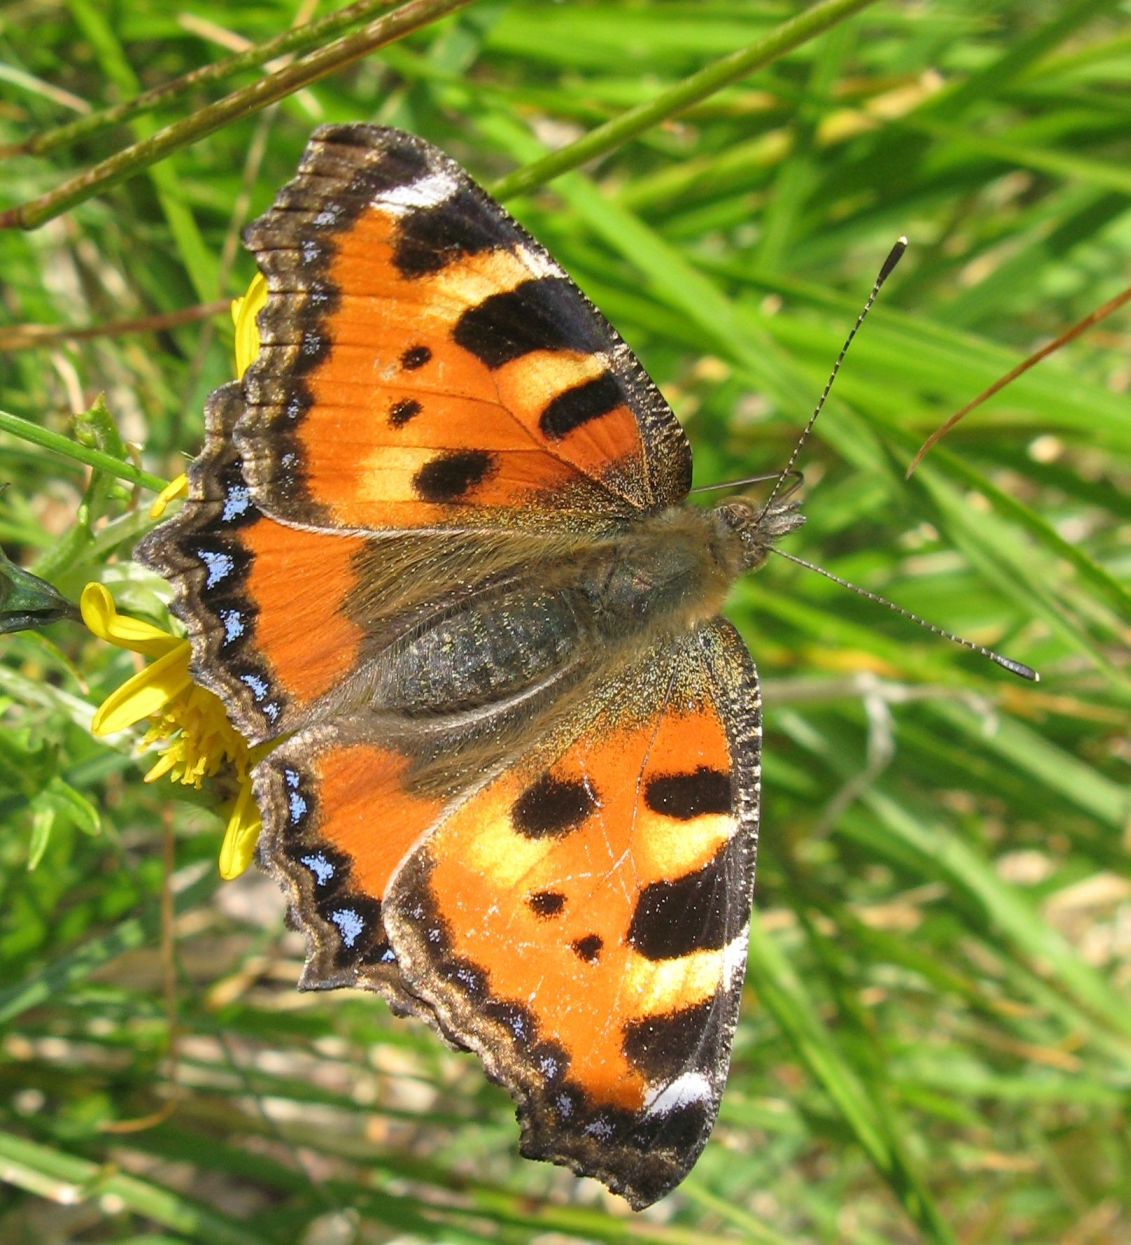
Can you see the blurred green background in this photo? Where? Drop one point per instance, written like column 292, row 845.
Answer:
column 936, row 1031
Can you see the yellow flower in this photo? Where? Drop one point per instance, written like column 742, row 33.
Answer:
column 197, row 740
column 244, row 314
column 189, row 722
column 177, row 487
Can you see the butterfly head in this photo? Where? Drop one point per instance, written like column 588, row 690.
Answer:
column 746, row 530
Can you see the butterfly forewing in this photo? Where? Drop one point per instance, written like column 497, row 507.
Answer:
column 425, row 363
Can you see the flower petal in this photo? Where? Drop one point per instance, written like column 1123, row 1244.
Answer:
column 241, row 835
column 147, row 694
column 244, row 313
column 177, row 487
column 167, row 759
column 102, row 619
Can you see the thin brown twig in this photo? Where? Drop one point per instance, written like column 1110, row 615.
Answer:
column 36, row 336
column 131, row 160
column 1101, row 313
column 250, row 57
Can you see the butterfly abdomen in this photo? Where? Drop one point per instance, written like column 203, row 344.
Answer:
column 563, row 619
column 494, row 647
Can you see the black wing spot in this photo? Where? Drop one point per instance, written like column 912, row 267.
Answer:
column 540, row 314
column 684, row 796
column 399, row 162
column 546, row 903
column 579, row 405
column 681, row 1131
column 415, row 357
column 665, row 1046
column 588, row 948
column 551, row 807
column 691, row 913
column 449, row 477
column 432, row 237
column 404, row 410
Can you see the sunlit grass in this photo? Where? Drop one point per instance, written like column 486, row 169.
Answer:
column 936, row 1033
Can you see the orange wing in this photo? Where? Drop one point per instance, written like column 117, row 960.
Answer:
column 580, row 921
column 426, row 364
column 338, row 818
column 561, row 884
column 242, row 587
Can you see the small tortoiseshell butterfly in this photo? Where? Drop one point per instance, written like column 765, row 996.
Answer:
column 438, row 542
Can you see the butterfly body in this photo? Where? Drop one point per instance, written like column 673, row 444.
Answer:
column 572, row 611
column 437, row 547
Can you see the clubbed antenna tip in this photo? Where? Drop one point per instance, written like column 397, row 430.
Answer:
column 894, row 256
column 1014, row 667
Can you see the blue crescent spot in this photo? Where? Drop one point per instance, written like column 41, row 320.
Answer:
column 258, row 685
column 322, row 869
column 233, row 625
column 298, row 812
column 349, row 923
column 236, row 502
column 218, row 565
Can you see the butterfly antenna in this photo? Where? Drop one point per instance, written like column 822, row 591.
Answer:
column 1014, row 667
column 886, row 269
column 761, row 478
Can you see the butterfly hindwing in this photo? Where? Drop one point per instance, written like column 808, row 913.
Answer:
column 580, row 921
column 338, row 818
column 425, row 363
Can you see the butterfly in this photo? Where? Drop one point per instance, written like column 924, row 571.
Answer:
column 438, row 548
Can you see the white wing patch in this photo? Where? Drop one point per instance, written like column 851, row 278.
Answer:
column 734, row 959
column 688, row 1088
column 426, row 192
